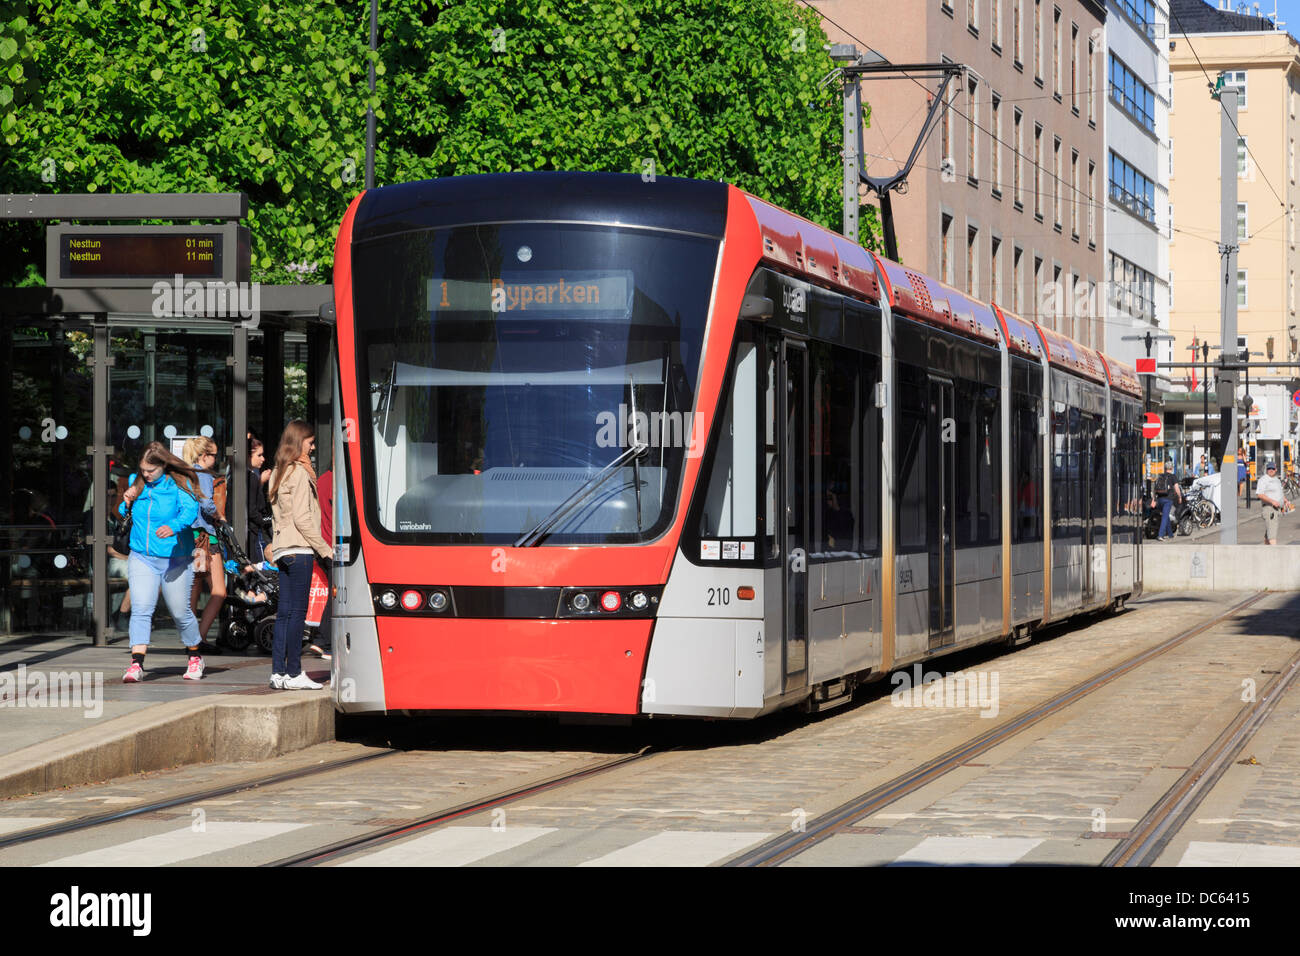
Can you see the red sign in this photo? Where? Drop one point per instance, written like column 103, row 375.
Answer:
column 1296, row 398
column 1146, row 366
column 1151, row 428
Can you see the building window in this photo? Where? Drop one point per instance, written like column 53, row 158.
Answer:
column 1236, row 80
column 973, row 15
column 1074, row 193
column 1243, row 154
column 995, row 24
column 1092, row 204
column 1242, row 230
column 1070, row 306
column 945, row 230
column 1015, row 31
column 1132, row 95
column 1074, row 68
column 995, row 268
column 1132, row 289
column 1131, row 189
column 1017, row 294
column 1058, row 301
column 1241, row 289
column 1171, row 222
column 1038, row 288
column 995, row 147
column 1171, row 290
column 1056, row 53
column 1038, row 40
column 1141, row 12
column 972, row 261
column 1091, row 91
column 972, row 152
column 1056, row 181
column 1171, row 157
column 1017, row 141
column 1038, row 171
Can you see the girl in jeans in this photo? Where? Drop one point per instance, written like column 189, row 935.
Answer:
column 201, row 454
column 163, row 502
column 295, row 539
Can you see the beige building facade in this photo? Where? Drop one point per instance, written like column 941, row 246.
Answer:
column 1264, row 66
column 1007, row 199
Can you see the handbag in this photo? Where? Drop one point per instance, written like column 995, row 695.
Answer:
column 122, row 534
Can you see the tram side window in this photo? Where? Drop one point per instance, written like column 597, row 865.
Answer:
column 1099, row 456
column 835, row 453
column 913, row 404
column 870, row 454
column 730, row 500
column 771, row 460
column 978, row 458
column 1027, row 461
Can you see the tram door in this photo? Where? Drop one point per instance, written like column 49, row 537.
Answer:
column 794, row 505
column 941, row 483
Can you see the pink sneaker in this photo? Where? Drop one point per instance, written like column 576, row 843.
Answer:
column 195, row 670
column 134, row 674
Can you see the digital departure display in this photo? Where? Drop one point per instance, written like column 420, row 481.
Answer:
column 542, row 292
column 117, row 255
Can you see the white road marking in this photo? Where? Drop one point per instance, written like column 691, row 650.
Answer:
column 1239, row 854
column 177, row 845
column 14, row 824
column 679, row 848
column 995, row 851
column 456, row 846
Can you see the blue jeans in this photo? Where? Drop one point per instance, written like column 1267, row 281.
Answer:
column 291, row 613
column 1165, row 505
column 145, row 581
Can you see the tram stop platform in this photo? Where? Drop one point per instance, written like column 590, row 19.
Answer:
column 67, row 719
column 1201, row 561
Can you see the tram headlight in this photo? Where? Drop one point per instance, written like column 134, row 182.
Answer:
column 638, row 600
column 580, row 602
column 388, row 600
column 437, row 601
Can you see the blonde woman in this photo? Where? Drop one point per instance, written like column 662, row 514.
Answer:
column 209, row 570
column 295, row 541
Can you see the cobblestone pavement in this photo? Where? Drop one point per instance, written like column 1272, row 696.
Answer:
column 1058, row 793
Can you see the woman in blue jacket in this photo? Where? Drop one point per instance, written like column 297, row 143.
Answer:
column 163, row 500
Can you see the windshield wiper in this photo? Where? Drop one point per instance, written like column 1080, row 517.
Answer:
column 534, row 537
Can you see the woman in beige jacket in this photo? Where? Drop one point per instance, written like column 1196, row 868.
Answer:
column 295, row 541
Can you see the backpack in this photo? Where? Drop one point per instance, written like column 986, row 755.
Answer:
column 1162, row 484
column 219, row 495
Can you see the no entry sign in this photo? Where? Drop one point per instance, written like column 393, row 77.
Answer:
column 1151, row 427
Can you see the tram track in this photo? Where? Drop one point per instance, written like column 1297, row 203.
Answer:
column 1153, row 833
column 780, row 849
column 391, row 834
column 90, row 821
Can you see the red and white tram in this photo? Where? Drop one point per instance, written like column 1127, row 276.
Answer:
column 627, row 448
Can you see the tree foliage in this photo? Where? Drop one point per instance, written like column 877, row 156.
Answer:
column 226, row 95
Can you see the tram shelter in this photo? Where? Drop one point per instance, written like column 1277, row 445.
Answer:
column 110, row 355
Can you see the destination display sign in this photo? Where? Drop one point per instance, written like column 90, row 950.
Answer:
column 540, row 293
column 126, row 256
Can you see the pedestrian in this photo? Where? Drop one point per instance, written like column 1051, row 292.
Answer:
column 209, row 569
column 259, row 512
column 162, row 500
column 1168, row 494
column 295, row 537
column 1269, row 491
column 1241, row 472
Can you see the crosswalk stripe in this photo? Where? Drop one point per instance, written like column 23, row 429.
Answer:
column 679, row 848
column 967, row 851
column 177, row 845
column 1200, row 853
column 456, row 846
column 14, row 824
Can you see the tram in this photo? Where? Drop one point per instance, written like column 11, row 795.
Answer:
column 617, row 447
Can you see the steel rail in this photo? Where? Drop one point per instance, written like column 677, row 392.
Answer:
column 1148, row 839
column 780, row 849
column 390, row 834
column 198, row 796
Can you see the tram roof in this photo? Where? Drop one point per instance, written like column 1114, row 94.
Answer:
column 683, row 205
column 1123, row 377
column 1064, row 352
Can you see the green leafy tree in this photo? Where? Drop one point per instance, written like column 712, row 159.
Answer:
column 226, row 95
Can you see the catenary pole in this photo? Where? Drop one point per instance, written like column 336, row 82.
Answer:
column 1228, row 323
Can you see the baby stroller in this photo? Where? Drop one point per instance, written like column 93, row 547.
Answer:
column 254, row 597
